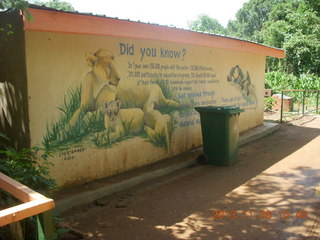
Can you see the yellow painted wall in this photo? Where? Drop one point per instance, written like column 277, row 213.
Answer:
column 56, row 65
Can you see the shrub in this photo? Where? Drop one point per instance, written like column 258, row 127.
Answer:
column 29, row 166
column 279, row 81
column 268, row 103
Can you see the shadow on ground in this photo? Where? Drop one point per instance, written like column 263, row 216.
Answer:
column 182, row 205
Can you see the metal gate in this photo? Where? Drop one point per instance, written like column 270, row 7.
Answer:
column 299, row 102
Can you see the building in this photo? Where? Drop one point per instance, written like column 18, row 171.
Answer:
column 108, row 95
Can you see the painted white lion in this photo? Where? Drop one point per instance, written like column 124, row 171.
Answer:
column 119, row 122
column 158, row 125
column 102, row 85
column 98, row 83
column 143, row 96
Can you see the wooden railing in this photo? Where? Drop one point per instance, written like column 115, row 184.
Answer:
column 33, row 202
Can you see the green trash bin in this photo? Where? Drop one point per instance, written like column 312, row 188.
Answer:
column 220, row 133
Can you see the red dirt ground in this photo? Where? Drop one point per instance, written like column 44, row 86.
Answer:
column 278, row 173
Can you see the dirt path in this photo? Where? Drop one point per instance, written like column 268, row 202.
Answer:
column 274, row 178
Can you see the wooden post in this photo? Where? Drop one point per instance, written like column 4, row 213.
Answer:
column 33, row 202
column 303, row 101
column 47, row 222
column 281, row 112
column 317, row 107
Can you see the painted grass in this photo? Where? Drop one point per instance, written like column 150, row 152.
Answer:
column 160, row 138
column 169, row 94
column 90, row 126
column 103, row 139
column 60, row 134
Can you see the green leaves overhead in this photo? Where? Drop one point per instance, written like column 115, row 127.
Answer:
column 298, row 33
column 252, row 16
column 60, row 5
column 292, row 25
column 17, row 4
column 204, row 23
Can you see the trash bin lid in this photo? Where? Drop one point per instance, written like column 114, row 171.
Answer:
column 219, row 109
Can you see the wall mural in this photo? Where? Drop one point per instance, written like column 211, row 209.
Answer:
column 104, row 109
column 101, row 113
column 110, row 104
column 243, row 83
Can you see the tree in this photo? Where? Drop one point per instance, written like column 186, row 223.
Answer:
column 314, row 4
column 204, row 23
column 17, row 4
column 294, row 27
column 6, row 29
column 302, row 54
column 60, row 5
column 250, row 19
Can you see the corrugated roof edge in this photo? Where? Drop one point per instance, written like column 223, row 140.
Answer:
column 33, row 6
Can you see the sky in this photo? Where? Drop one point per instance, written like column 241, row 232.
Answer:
column 164, row 12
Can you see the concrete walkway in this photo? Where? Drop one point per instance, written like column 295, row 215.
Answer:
column 269, row 194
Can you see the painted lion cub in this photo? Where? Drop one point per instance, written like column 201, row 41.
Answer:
column 119, row 122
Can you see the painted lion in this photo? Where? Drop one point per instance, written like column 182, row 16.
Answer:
column 102, row 84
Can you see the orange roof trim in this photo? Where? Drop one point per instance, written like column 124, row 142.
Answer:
column 58, row 21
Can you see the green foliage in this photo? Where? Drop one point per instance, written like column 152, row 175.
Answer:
column 28, row 166
column 314, row 5
column 204, row 23
column 17, row 4
column 59, row 231
column 295, row 27
column 5, row 32
column 268, row 103
column 274, row 33
column 279, row 81
column 280, row 12
column 57, row 4
column 250, row 19
column 302, row 54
